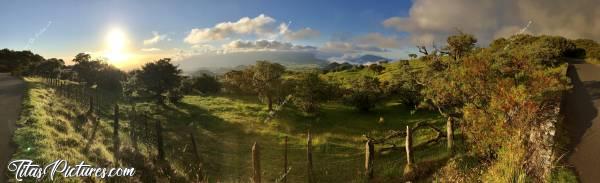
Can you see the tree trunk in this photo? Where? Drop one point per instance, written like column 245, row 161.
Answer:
column 270, row 102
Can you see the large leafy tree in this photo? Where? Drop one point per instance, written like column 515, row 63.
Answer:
column 50, row 67
column 364, row 93
column 98, row 73
column 267, row 80
column 87, row 70
column 160, row 80
column 206, row 84
column 460, row 44
column 309, row 91
column 239, row 81
column 404, row 84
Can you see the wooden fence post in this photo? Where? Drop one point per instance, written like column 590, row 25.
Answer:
column 116, row 140
column 369, row 154
column 133, row 128
column 409, row 168
column 195, row 147
column 91, row 110
column 159, row 140
column 285, row 158
column 409, row 157
column 309, row 164
column 255, row 163
column 450, row 135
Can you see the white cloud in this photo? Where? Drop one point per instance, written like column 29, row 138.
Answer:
column 150, row 49
column 432, row 20
column 264, row 45
column 156, row 37
column 259, row 25
column 305, row 33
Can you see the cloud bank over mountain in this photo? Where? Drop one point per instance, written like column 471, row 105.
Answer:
column 432, row 20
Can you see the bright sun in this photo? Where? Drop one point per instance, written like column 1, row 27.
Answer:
column 116, row 43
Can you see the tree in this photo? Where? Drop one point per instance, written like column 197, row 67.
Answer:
column 19, row 62
column 460, row 44
column 309, row 91
column 239, row 81
column 412, row 55
column 364, row 93
column 159, row 80
column 110, row 78
column 50, row 67
column 587, row 48
column 95, row 72
column 404, row 85
column 206, row 84
column 267, row 80
column 87, row 69
column 376, row 68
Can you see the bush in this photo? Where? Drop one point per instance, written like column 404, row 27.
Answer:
column 364, row 94
column 206, row 84
column 309, row 91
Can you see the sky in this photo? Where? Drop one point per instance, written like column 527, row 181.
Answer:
column 131, row 32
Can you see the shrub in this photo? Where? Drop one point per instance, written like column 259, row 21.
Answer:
column 206, row 84
column 364, row 94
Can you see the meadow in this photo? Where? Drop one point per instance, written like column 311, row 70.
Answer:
column 225, row 126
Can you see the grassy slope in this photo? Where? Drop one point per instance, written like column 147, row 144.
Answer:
column 234, row 124
column 49, row 130
column 226, row 128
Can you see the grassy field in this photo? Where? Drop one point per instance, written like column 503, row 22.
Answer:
column 226, row 126
column 51, row 128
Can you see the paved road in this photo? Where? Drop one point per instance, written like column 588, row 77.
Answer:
column 11, row 92
column 583, row 122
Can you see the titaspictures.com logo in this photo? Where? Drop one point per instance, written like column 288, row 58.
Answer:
column 26, row 168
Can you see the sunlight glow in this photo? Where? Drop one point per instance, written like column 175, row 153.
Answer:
column 116, row 47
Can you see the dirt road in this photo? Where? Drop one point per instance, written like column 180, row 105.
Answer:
column 583, row 123
column 11, row 92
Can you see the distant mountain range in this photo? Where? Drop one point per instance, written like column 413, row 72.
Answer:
column 214, row 61
column 220, row 63
column 367, row 59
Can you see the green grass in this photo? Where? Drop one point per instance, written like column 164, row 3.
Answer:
column 346, row 77
column 229, row 125
column 49, row 130
column 226, row 126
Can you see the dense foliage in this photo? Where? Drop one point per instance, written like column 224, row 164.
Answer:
column 499, row 94
column 206, row 84
column 364, row 93
column 160, row 80
column 309, row 91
